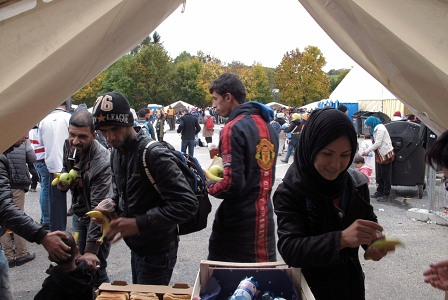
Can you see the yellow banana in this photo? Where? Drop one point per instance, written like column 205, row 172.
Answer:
column 57, row 175
column 210, row 176
column 76, row 236
column 104, row 226
column 55, row 181
column 387, row 243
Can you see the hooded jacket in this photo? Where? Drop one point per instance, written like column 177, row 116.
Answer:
column 72, row 285
column 137, row 198
column 18, row 159
column 243, row 230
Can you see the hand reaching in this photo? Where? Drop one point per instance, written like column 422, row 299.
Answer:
column 437, row 275
column 361, row 232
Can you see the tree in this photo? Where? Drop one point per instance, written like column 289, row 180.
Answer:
column 300, row 77
column 257, row 84
column 336, row 81
column 184, row 56
column 156, row 38
column 90, row 91
column 186, row 83
column 209, row 72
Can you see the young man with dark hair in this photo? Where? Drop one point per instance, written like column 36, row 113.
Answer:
column 188, row 127
column 147, row 222
column 83, row 153
column 144, row 123
column 243, row 229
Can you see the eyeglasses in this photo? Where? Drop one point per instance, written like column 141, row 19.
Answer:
column 445, row 183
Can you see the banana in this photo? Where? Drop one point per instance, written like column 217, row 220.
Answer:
column 210, row 176
column 76, row 236
column 387, row 243
column 57, row 175
column 104, row 226
column 55, row 181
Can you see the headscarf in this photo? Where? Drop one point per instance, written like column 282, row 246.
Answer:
column 323, row 127
column 372, row 122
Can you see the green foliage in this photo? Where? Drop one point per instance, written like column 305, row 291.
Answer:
column 257, row 85
column 336, row 79
column 300, row 77
column 184, row 56
column 186, row 84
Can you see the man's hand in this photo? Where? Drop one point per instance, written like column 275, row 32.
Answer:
column 56, row 248
column 437, row 275
column 376, row 254
column 361, row 232
column 92, row 260
column 124, row 227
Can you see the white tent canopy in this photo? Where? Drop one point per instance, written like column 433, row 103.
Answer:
column 360, row 85
column 178, row 105
column 275, row 105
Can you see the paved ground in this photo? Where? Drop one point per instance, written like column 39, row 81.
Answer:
column 398, row 276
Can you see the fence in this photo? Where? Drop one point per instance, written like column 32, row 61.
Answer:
column 438, row 196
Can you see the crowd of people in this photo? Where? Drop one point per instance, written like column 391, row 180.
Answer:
column 320, row 230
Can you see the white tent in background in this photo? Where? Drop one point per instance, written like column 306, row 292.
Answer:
column 275, row 105
column 362, row 88
column 178, row 105
column 360, row 85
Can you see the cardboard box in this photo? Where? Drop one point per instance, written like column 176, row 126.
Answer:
column 273, row 276
column 160, row 290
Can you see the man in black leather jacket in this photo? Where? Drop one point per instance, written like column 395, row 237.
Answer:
column 92, row 164
column 15, row 219
column 147, row 223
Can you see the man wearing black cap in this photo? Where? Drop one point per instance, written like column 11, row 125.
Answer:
column 147, row 222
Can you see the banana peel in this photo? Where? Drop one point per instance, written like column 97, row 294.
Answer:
column 104, row 226
column 387, row 243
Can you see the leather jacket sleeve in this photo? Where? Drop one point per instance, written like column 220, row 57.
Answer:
column 11, row 216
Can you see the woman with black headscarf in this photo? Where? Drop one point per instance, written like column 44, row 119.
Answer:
column 323, row 209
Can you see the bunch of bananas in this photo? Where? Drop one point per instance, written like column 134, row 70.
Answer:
column 65, row 178
column 216, row 170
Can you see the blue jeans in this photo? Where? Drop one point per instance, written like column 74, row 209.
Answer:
column 291, row 147
column 44, row 178
column 58, row 208
column 5, row 286
column 81, row 225
column 190, row 144
column 153, row 269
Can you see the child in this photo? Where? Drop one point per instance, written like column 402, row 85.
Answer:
column 69, row 279
column 362, row 167
column 366, row 144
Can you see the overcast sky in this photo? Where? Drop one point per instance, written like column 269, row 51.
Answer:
column 247, row 31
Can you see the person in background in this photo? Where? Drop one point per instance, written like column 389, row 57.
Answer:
column 171, row 117
column 144, row 123
column 160, row 125
column 44, row 177
column 280, row 119
column 366, row 144
column 294, row 128
column 13, row 218
column 188, row 128
column 243, row 229
column 33, row 171
column 362, row 167
column 323, row 210
column 19, row 159
column 146, row 222
column 437, row 156
column 92, row 164
column 382, row 142
column 52, row 135
column 343, row 108
column 207, row 133
column 397, row 116
column 70, row 279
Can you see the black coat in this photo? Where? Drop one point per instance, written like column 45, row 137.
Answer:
column 309, row 234
column 189, row 126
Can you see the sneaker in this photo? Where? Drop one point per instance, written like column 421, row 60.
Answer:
column 377, row 195
column 285, row 161
column 11, row 263
column 23, row 260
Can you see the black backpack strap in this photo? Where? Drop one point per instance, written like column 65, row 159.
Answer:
column 148, row 147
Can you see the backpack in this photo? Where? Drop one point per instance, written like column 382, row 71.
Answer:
column 276, row 126
column 192, row 170
column 209, row 123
